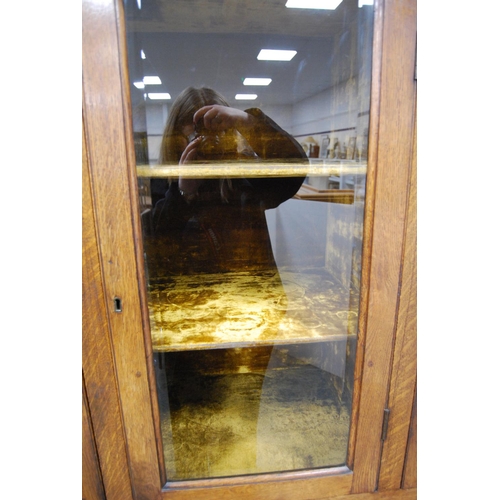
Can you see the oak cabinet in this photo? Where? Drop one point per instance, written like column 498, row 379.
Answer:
column 121, row 363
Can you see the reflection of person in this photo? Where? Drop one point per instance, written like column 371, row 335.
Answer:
column 212, row 224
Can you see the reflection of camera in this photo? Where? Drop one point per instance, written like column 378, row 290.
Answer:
column 214, row 146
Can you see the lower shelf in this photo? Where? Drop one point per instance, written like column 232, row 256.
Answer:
column 250, row 411
column 210, row 311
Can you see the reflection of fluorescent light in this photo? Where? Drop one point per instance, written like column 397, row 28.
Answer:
column 159, row 95
column 143, row 56
column 151, row 80
column 257, row 81
column 276, row 55
column 245, row 97
column 139, row 4
column 364, row 2
column 139, row 85
column 313, row 4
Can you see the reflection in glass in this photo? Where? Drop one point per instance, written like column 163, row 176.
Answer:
column 252, row 215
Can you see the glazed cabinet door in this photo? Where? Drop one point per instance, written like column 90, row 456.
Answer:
column 249, row 183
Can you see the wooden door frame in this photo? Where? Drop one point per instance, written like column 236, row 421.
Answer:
column 117, row 346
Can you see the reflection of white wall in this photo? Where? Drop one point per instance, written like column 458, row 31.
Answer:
column 156, row 117
column 328, row 110
column 297, row 230
column 340, row 243
column 308, row 233
column 313, row 234
column 282, row 115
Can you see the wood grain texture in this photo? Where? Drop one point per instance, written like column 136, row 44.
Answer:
column 410, row 470
column 92, row 487
column 295, row 486
column 409, row 494
column 107, row 119
column 367, row 225
column 404, row 369
column 395, row 132
column 135, row 208
column 105, row 134
column 97, row 359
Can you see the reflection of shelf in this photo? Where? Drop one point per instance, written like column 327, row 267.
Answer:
column 252, row 169
column 214, row 311
column 307, row 192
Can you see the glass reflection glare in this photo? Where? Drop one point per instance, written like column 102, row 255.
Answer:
column 276, row 55
column 313, row 4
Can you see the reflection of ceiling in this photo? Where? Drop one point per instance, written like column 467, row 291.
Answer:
column 216, row 42
column 236, row 16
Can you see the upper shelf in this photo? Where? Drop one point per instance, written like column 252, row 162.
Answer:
column 233, row 169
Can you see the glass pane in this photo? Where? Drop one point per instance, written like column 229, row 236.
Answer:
column 252, row 211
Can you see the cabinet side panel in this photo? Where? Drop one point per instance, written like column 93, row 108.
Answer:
column 396, row 119
column 97, row 359
column 410, row 469
column 105, row 115
column 404, row 367
column 367, row 225
column 92, row 488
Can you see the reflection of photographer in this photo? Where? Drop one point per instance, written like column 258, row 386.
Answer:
column 212, row 141
column 219, row 224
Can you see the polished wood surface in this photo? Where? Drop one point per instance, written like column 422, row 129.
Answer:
column 409, row 494
column 97, row 358
column 410, row 469
column 92, row 487
column 287, row 486
column 390, row 208
column 410, row 465
column 370, row 192
column 404, row 368
column 104, row 114
column 113, row 203
column 276, row 488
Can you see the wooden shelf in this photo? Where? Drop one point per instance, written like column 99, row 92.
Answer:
column 214, row 311
column 253, row 169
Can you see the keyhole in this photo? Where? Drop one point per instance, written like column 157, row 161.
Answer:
column 118, row 304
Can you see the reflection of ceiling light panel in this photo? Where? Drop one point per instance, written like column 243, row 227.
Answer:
column 139, row 85
column 257, row 81
column 151, row 80
column 159, row 95
column 276, row 55
column 245, row 97
column 143, row 55
column 364, row 2
column 313, row 4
